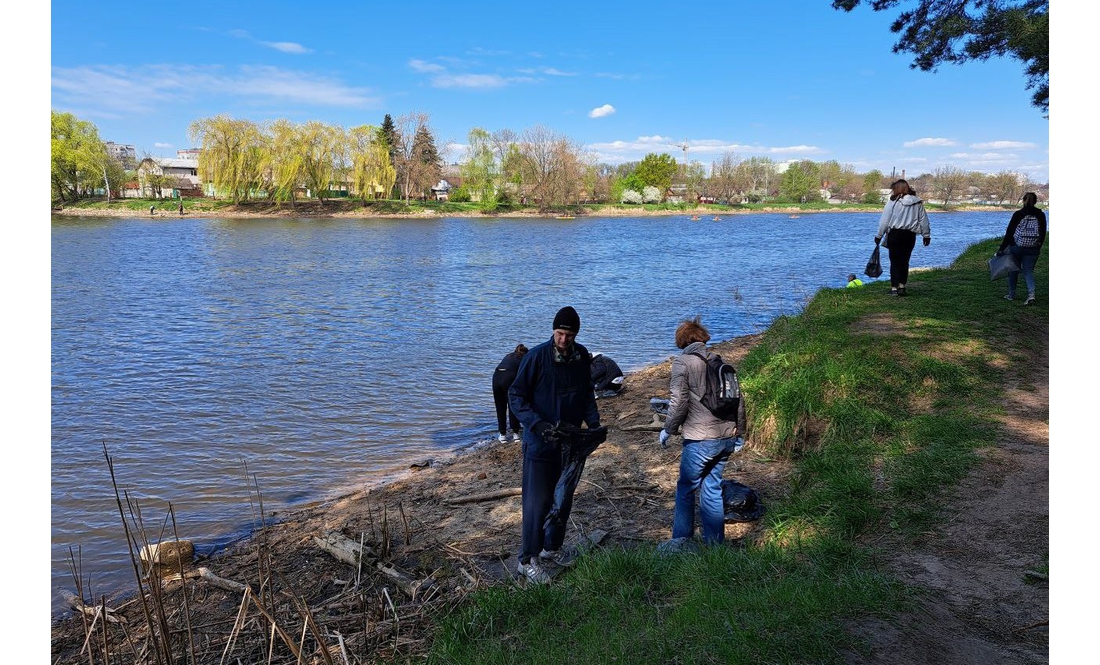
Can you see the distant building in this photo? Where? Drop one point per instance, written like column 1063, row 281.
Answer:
column 188, row 153
column 181, row 177
column 125, row 154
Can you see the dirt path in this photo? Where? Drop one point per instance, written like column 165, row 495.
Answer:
column 979, row 608
column 986, row 599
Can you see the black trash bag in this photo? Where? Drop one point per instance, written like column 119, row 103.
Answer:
column 577, row 443
column 740, row 502
column 874, row 267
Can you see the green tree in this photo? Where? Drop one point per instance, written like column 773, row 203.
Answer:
column 957, row 31
column 428, row 165
column 479, row 171
column 234, row 155
column 372, row 173
column 873, row 181
column 657, row 170
column 283, row 167
column 77, row 156
column 801, row 182
column 388, row 134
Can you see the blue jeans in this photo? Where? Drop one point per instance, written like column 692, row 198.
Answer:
column 701, row 464
column 1026, row 257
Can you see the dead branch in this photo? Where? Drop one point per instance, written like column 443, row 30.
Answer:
column 488, row 496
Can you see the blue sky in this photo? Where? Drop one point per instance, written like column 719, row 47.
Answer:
column 785, row 80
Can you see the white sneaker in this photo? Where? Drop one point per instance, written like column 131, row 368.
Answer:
column 558, row 558
column 534, row 572
column 502, row 439
column 515, row 437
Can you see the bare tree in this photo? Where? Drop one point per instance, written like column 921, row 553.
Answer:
column 948, row 182
column 409, row 168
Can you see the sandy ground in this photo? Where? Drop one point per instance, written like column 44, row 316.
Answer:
column 979, row 605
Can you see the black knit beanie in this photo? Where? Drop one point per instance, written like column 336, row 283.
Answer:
column 567, row 319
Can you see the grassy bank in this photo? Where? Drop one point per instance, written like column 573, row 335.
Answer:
column 881, row 403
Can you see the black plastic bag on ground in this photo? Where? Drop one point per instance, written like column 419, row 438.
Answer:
column 874, row 267
column 740, row 502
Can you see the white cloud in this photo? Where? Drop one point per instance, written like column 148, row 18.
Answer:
column 803, row 149
column 549, row 71
column 982, row 156
column 601, row 111
column 1002, row 145
column 144, row 89
column 477, row 81
column 704, row 150
column 158, row 144
column 288, row 47
column 425, row 67
column 930, row 143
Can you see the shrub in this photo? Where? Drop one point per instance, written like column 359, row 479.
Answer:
column 631, row 196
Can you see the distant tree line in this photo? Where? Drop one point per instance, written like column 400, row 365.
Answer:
column 282, row 161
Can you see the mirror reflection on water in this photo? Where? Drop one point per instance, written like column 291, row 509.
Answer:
column 324, row 354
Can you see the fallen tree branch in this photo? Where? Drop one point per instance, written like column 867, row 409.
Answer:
column 488, row 496
column 351, row 553
column 221, row 582
column 77, row 604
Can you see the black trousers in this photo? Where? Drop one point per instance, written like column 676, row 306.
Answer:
column 540, row 477
column 504, row 414
column 901, row 244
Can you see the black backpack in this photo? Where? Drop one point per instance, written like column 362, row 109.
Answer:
column 722, row 394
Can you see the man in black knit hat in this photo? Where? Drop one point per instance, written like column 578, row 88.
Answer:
column 553, row 386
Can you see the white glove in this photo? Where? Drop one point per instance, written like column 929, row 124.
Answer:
column 664, row 439
column 738, row 444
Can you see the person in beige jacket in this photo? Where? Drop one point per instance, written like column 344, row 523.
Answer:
column 708, row 440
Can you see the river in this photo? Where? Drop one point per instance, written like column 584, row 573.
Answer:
column 315, row 356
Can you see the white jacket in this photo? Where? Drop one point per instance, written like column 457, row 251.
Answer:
column 905, row 213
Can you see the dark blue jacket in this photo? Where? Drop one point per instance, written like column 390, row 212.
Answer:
column 546, row 390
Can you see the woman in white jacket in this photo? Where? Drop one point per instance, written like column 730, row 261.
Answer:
column 903, row 218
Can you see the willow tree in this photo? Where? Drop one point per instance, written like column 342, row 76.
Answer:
column 284, row 161
column 77, row 156
column 480, row 171
column 320, row 147
column 233, row 154
column 368, row 152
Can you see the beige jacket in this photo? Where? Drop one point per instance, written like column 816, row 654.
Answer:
column 686, row 411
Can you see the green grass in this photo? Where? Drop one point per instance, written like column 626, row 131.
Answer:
column 881, row 404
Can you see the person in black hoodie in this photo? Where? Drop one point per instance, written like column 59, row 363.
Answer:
column 606, row 374
column 1024, row 237
column 503, row 377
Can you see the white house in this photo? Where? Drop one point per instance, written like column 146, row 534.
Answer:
column 183, row 177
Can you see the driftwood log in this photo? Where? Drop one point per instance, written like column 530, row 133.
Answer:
column 77, row 604
column 350, row 552
column 488, row 496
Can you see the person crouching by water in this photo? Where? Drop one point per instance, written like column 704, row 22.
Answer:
column 503, row 377
column 1024, row 237
column 902, row 217
column 553, row 384
column 606, row 375
column 708, row 440
column 853, row 281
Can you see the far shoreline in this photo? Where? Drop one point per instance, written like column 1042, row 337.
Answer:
column 340, row 210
